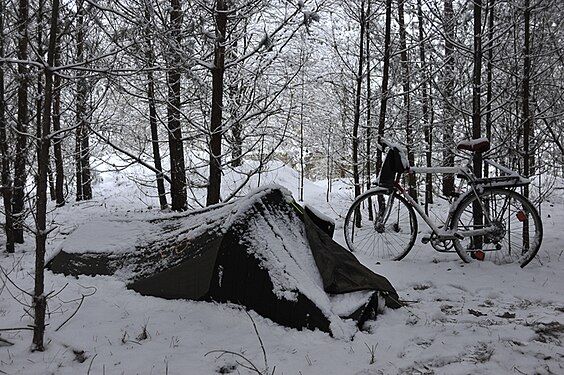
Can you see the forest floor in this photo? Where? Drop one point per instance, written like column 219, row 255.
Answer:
column 476, row 318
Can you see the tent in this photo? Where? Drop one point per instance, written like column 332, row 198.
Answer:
column 262, row 251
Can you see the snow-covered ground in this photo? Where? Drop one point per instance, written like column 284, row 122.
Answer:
column 475, row 318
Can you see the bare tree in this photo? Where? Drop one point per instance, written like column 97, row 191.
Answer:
column 489, row 74
column 223, row 27
column 477, row 109
column 528, row 162
column 406, row 96
column 58, row 137
column 20, row 164
column 6, row 178
column 477, row 84
column 150, row 56
column 176, row 145
column 357, row 105
column 448, row 116
column 214, row 184
column 39, row 297
column 368, row 98
column 82, row 144
column 385, row 78
column 425, row 108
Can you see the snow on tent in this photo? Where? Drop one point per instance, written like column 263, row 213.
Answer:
column 262, row 251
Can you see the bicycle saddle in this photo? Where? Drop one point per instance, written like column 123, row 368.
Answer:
column 474, row 145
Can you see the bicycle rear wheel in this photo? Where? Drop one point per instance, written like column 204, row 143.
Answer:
column 516, row 228
column 381, row 223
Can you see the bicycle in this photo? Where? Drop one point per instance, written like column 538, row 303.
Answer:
column 489, row 220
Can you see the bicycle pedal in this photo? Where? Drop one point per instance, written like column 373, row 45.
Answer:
column 425, row 239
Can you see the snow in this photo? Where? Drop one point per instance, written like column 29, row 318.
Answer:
column 475, row 318
column 113, row 236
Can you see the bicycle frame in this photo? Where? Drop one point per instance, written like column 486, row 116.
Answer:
column 510, row 179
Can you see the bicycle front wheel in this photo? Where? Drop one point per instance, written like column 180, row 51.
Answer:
column 381, row 223
column 498, row 225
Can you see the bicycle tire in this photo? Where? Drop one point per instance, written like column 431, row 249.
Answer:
column 519, row 228
column 391, row 240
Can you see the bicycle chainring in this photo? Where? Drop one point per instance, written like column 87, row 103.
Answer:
column 443, row 246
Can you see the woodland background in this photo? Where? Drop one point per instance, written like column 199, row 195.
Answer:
column 190, row 89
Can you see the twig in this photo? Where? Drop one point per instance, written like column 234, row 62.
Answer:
column 248, row 365
column 94, row 290
column 136, row 158
column 53, row 294
column 73, row 314
column 259, row 338
column 15, row 264
column 222, row 352
column 90, row 365
column 11, row 282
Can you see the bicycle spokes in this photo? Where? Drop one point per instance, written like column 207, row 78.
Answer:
column 509, row 229
column 381, row 224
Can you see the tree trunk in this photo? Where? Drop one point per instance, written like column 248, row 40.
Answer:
column 358, row 96
column 39, row 298
column 385, row 79
column 20, row 164
column 448, row 116
column 235, row 94
column 406, row 98
column 476, row 112
column 85, row 163
column 39, row 76
column 149, row 55
column 368, row 101
column 528, row 167
column 80, row 99
column 489, row 72
column 427, row 127
column 57, row 139
column 302, row 151
column 6, row 178
column 216, row 129
column 82, row 146
column 155, row 141
column 237, row 146
column 176, row 144
column 477, row 84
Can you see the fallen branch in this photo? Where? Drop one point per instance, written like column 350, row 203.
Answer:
column 77, row 308
column 90, row 365
column 72, row 315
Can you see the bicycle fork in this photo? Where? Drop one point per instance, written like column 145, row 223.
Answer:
column 384, row 215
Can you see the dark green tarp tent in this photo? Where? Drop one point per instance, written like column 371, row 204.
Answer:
column 262, row 251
